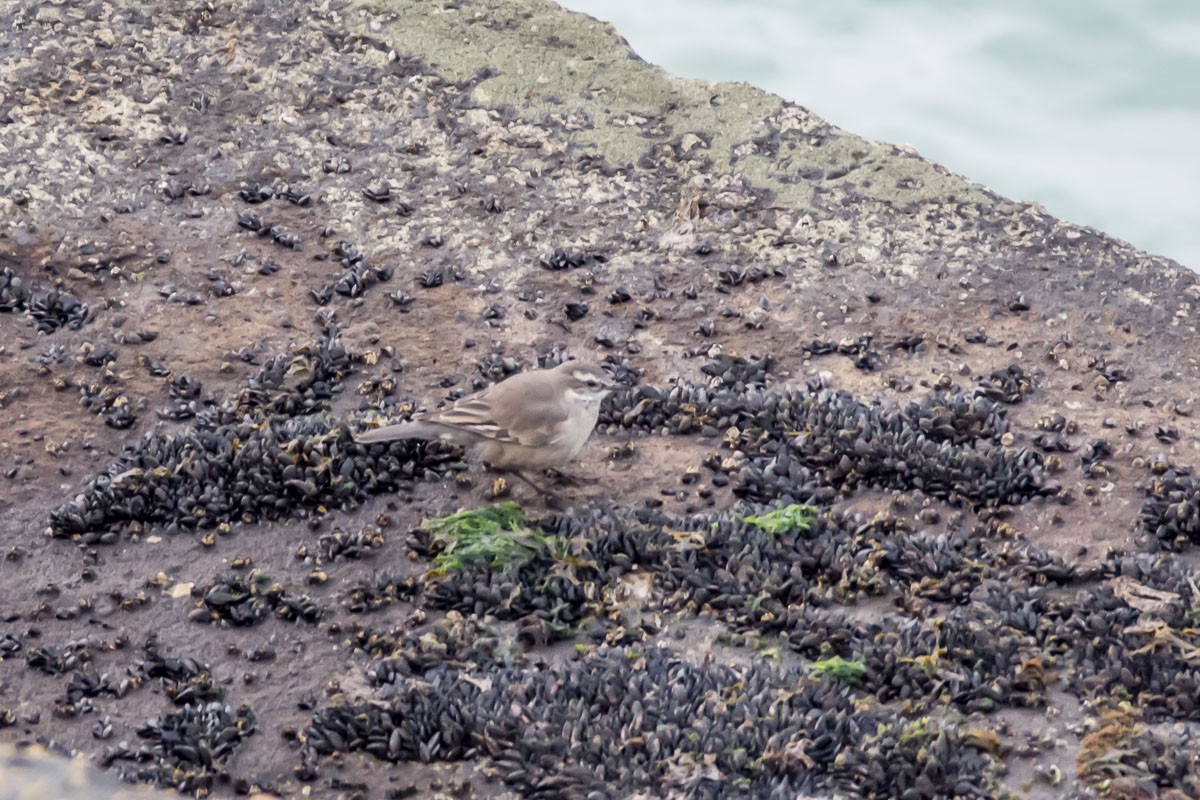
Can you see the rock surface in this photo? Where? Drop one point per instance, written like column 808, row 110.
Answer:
column 230, row 230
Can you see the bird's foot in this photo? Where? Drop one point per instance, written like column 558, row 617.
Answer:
column 553, row 500
column 561, row 478
column 556, row 502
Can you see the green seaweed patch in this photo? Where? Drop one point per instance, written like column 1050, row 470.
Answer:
column 495, row 537
column 792, row 518
column 841, row 670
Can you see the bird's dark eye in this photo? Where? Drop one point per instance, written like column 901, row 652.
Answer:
column 592, row 384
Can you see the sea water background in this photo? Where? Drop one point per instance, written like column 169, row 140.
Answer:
column 1089, row 107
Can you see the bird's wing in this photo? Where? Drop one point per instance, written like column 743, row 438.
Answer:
column 537, row 413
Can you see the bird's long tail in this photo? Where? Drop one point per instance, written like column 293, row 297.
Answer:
column 402, row 430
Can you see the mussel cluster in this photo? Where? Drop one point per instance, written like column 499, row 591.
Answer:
column 1171, row 514
column 188, row 747
column 289, row 384
column 615, row 721
column 185, row 392
column 421, row 644
column 545, row 595
column 979, row 622
column 807, row 445
column 50, row 310
column 340, row 545
column 357, row 276
column 235, row 601
column 1128, row 759
column 109, row 403
column 51, row 659
column 264, row 455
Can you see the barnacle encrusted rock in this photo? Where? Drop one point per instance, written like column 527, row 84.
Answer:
column 895, row 496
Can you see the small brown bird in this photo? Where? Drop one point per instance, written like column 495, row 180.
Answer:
column 533, row 420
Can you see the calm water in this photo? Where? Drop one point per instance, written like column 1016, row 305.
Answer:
column 1089, row 107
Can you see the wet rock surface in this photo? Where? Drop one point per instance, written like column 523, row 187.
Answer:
column 895, row 497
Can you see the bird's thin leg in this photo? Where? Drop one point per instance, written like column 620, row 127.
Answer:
column 543, row 492
column 563, row 478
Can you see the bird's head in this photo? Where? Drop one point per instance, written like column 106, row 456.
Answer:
column 586, row 381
